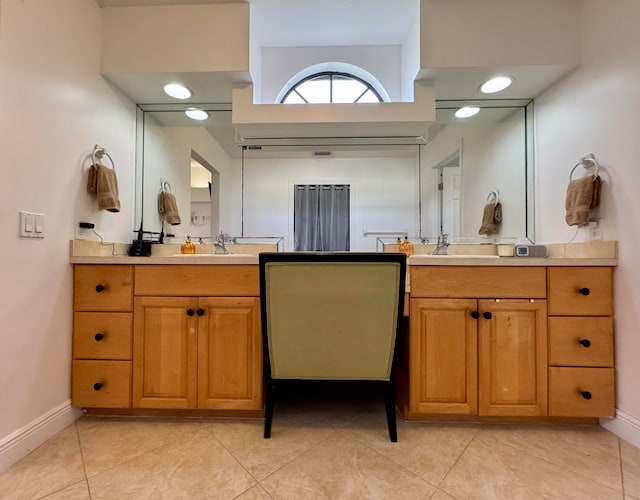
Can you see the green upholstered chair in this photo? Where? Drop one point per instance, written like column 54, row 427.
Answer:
column 331, row 316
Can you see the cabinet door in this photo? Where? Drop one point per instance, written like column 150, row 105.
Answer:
column 164, row 352
column 229, row 353
column 512, row 357
column 443, row 364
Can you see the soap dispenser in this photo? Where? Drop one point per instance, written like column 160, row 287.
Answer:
column 188, row 247
column 407, row 247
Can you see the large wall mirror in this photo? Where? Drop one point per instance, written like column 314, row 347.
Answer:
column 421, row 187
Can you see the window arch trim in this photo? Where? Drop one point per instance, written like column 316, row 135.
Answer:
column 331, row 74
column 335, row 67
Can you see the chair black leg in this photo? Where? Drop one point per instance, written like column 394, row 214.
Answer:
column 268, row 410
column 390, row 406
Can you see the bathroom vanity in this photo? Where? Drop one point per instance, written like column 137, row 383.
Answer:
column 502, row 337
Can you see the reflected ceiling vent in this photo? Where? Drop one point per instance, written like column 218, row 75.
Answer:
column 322, row 153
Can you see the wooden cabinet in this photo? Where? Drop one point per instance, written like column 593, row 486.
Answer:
column 167, row 336
column 581, row 373
column 197, row 352
column 194, row 346
column 102, row 336
column 485, row 357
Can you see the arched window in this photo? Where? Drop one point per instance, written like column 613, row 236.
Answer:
column 331, row 87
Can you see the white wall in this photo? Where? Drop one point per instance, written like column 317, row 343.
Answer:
column 383, row 195
column 595, row 110
column 55, row 108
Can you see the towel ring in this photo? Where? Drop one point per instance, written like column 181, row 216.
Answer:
column 496, row 196
column 165, row 186
column 586, row 158
column 99, row 153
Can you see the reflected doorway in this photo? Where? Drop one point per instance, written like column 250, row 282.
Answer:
column 205, row 199
column 448, row 180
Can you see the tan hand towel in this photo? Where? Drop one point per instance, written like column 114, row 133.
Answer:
column 580, row 196
column 491, row 218
column 597, row 186
column 168, row 206
column 104, row 183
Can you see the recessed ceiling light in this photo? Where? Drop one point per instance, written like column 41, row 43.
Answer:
column 467, row 111
column 496, row 84
column 196, row 114
column 177, row 91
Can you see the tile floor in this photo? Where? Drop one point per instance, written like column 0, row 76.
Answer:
column 324, row 448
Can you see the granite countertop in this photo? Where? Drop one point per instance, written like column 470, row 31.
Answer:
column 593, row 253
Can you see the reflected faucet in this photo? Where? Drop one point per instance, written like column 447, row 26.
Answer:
column 442, row 246
column 219, row 245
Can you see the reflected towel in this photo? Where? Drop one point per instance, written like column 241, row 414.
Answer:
column 491, row 218
column 168, row 206
column 582, row 194
column 103, row 182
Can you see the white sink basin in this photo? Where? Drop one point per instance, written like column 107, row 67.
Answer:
column 429, row 256
column 216, row 255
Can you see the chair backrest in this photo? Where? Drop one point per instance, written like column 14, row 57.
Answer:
column 331, row 316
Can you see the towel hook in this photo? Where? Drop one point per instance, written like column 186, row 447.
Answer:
column 99, row 153
column 588, row 158
column 495, row 194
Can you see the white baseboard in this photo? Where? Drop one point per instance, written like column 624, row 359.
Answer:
column 19, row 443
column 624, row 426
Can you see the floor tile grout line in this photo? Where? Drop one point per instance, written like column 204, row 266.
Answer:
column 402, row 466
column 475, row 434
column 564, row 467
column 43, row 497
column 624, row 495
column 152, row 450
column 84, row 465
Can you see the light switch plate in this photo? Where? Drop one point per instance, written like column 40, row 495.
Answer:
column 31, row 225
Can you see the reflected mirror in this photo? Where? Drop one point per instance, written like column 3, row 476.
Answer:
column 421, row 187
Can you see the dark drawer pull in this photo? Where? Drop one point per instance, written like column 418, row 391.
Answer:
column 98, row 336
column 487, row 315
column 97, row 386
column 200, row 311
column 584, row 291
column 190, row 312
column 586, row 395
column 475, row 314
column 100, row 288
column 584, row 342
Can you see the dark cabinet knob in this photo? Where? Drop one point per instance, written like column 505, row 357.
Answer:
column 98, row 336
column 97, row 386
column 584, row 342
column 100, row 288
column 475, row 314
column 584, row 291
column 190, row 312
column 585, row 394
column 200, row 311
column 487, row 315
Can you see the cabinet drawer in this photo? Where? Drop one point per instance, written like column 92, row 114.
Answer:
column 102, row 335
column 478, row 282
column 580, row 291
column 115, row 380
column 211, row 281
column 569, row 386
column 103, row 288
column 581, row 341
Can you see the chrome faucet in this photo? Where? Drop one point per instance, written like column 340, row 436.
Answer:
column 443, row 244
column 219, row 245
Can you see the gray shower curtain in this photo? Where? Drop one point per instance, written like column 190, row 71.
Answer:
column 321, row 217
